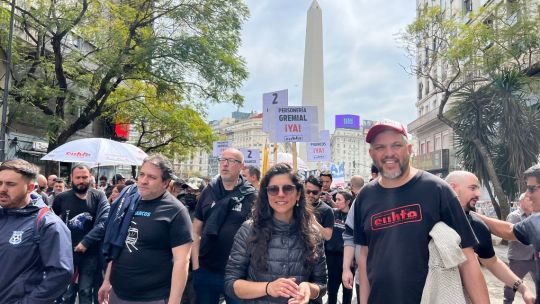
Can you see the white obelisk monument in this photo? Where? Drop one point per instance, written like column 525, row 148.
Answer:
column 313, row 86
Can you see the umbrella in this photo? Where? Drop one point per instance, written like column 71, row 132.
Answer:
column 288, row 158
column 97, row 151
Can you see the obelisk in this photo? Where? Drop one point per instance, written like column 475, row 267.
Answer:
column 313, row 86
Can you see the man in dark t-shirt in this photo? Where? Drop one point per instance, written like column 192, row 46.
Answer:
column 467, row 187
column 221, row 209
column 392, row 220
column 526, row 231
column 323, row 212
column 153, row 264
column 84, row 210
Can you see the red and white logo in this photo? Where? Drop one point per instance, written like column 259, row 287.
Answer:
column 78, row 154
column 396, row 216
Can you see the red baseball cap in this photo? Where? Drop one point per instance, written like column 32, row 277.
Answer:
column 383, row 125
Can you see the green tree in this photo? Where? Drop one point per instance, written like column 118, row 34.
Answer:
column 459, row 54
column 499, row 116
column 77, row 61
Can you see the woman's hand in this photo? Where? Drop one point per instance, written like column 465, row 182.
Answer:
column 304, row 293
column 282, row 287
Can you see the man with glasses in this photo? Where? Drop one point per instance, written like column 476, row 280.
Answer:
column 221, row 209
column 323, row 213
column 526, row 231
column 41, row 188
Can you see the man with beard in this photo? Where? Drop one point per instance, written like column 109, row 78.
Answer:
column 392, row 220
column 35, row 247
column 467, row 188
column 85, row 211
column 222, row 208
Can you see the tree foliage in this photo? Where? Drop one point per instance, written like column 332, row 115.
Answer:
column 473, row 61
column 156, row 64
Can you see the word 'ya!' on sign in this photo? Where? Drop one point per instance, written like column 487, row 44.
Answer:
column 295, row 124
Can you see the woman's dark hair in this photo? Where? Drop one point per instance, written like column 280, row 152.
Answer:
column 347, row 196
column 263, row 214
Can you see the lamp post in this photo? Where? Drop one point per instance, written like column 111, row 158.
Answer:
column 6, row 85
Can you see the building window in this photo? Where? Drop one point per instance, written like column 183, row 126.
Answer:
column 467, row 6
column 438, row 145
column 429, row 146
column 445, row 140
column 423, row 148
column 420, row 88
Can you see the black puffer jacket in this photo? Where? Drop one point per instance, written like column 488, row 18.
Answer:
column 285, row 260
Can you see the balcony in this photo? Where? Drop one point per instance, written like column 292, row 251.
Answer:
column 423, row 120
column 436, row 161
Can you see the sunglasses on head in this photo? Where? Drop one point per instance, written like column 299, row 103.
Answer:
column 314, row 192
column 274, row 189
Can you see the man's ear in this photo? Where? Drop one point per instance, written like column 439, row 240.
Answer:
column 30, row 187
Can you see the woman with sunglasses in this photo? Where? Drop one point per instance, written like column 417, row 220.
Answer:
column 278, row 256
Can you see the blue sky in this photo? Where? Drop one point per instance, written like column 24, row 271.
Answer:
column 362, row 58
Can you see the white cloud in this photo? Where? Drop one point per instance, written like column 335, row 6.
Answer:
column 362, row 57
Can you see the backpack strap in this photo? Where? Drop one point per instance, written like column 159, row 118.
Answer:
column 40, row 215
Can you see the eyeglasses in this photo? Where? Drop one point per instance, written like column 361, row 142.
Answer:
column 532, row 188
column 286, row 189
column 229, row 161
column 314, row 192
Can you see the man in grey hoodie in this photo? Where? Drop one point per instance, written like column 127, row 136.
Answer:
column 35, row 246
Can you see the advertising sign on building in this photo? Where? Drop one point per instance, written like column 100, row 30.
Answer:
column 219, row 147
column 252, row 157
column 272, row 101
column 295, row 124
column 320, row 151
column 348, row 121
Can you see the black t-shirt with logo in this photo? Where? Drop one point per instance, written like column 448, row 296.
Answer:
column 484, row 248
column 528, row 233
column 395, row 223
column 143, row 270
column 78, row 215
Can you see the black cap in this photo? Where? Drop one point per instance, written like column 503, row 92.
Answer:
column 118, row 177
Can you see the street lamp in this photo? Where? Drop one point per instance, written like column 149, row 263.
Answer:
column 6, row 85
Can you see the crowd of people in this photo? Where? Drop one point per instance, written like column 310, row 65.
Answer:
column 406, row 236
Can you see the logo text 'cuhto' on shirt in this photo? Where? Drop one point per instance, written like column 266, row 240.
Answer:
column 396, row 216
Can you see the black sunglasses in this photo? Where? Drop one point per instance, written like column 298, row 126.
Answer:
column 274, row 189
column 314, row 192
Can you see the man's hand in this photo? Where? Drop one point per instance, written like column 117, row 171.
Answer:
column 80, row 248
column 347, row 277
column 103, row 293
column 528, row 296
column 303, row 295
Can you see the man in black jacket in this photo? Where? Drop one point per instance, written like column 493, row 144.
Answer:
column 85, row 211
column 221, row 209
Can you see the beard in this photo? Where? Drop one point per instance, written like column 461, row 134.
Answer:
column 396, row 174
column 471, row 206
column 80, row 188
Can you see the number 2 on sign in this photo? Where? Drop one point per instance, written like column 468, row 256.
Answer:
column 274, row 101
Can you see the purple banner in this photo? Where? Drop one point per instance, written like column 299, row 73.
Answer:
column 347, row 121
